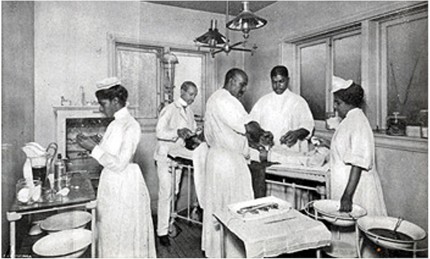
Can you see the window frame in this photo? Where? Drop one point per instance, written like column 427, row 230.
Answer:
column 383, row 25
column 327, row 39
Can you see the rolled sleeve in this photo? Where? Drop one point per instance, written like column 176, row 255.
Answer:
column 306, row 119
column 359, row 152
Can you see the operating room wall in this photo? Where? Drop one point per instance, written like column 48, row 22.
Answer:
column 17, row 100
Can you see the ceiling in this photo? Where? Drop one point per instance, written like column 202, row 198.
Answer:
column 235, row 7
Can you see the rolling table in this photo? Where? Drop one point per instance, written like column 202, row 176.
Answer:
column 268, row 239
column 321, row 175
column 81, row 196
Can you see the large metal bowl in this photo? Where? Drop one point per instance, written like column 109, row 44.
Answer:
column 415, row 232
column 70, row 243
column 328, row 210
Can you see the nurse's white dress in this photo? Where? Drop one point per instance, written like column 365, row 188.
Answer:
column 353, row 144
column 124, row 222
column 228, row 179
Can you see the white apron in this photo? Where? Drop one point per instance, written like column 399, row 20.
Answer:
column 124, row 221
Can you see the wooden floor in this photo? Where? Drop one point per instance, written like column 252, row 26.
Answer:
column 187, row 244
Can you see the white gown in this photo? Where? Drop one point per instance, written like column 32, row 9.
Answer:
column 124, row 222
column 353, row 144
column 282, row 113
column 228, row 179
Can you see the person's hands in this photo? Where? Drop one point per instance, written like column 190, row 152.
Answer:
column 184, row 133
column 290, row 138
column 267, row 139
column 320, row 142
column 85, row 142
column 345, row 203
column 199, row 130
column 97, row 138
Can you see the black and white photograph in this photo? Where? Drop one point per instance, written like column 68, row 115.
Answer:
column 214, row 129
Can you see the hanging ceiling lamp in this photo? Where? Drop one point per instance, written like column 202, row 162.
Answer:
column 217, row 42
column 246, row 21
column 212, row 37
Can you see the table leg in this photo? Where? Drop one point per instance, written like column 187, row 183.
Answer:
column 222, row 243
column 188, row 192
column 357, row 241
column 93, row 230
column 172, row 209
column 12, row 239
column 318, row 253
column 12, row 217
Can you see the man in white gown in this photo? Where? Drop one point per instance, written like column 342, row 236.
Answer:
column 228, row 179
column 284, row 113
column 175, row 124
column 124, row 221
column 288, row 116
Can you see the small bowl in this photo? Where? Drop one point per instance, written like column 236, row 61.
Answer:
column 329, row 211
column 416, row 233
column 66, row 220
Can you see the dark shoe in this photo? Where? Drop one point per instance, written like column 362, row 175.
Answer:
column 164, row 240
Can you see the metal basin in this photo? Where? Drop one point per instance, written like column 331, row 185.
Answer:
column 407, row 228
column 328, row 210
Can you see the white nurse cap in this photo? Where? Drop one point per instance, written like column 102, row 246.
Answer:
column 107, row 83
column 339, row 84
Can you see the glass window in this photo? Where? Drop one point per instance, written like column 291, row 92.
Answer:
column 138, row 70
column 313, row 61
column 190, row 68
column 406, row 63
column 336, row 54
column 347, row 57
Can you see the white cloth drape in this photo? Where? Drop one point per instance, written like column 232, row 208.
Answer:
column 124, row 221
column 228, row 179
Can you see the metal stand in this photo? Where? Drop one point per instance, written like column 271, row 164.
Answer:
column 175, row 165
column 13, row 217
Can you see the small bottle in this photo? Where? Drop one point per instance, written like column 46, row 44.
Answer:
column 59, row 171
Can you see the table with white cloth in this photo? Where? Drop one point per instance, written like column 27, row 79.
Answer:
column 311, row 179
column 262, row 238
column 180, row 159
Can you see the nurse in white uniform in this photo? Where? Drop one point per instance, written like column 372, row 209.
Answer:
column 354, row 179
column 124, row 222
